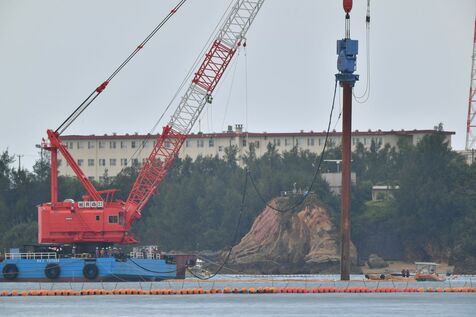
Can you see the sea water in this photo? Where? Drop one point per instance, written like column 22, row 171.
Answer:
column 329, row 304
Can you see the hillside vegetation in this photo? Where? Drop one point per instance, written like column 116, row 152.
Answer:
column 433, row 215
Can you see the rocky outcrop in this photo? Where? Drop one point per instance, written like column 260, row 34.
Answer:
column 376, row 262
column 299, row 241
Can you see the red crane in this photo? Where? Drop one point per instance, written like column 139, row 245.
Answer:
column 98, row 218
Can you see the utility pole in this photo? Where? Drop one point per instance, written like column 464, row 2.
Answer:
column 347, row 50
column 19, row 161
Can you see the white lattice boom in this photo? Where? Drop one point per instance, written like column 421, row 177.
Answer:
column 230, row 36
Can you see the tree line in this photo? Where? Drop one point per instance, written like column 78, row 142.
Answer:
column 433, row 214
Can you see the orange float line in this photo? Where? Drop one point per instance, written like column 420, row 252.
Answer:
column 243, row 290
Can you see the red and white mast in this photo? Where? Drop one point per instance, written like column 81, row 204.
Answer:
column 471, row 122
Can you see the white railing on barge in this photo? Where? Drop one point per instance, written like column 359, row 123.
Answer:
column 32, row 255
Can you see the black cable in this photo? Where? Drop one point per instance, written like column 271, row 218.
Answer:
column 366, row 94
column 139, row 149
column 146, row 269
column 72, row 117
column 141, row 45
column 321, row 159
column 235, row 236
column 72, row 114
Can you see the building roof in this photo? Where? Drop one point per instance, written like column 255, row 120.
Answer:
column 252, row 134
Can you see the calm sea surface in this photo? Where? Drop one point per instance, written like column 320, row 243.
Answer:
column 334, row 304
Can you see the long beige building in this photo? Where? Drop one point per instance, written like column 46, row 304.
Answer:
column 97, row 153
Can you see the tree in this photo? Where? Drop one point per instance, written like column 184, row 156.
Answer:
column 428, row 200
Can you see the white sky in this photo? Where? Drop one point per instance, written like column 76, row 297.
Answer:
column 54, row 53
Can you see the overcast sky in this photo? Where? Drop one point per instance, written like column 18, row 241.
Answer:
column 54, row 53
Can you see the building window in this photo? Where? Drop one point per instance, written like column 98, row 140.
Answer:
column 102, row 162
column 199, row 143
column 91, row 178
column 59, row 163
column 79, row 145
column 220, row 148
column 80, row 162
column 98, row 218
column 243, row 142
column 123, row 162
column 135, row 162
column 90, row 145
column 167, row 144
column 102, row 144
column 112, row 162
column 310, row 142
column 297, row 142
column 286, row 142
column 112, row 144
column 113, row 219
column 320, row 141
column 277, row 142
column 133, row 144
column 123, row 144
column 257, row 144
column 90, row 162
column 211, row 143
column 187, row 143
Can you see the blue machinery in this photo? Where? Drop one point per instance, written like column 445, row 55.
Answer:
column 347, row 50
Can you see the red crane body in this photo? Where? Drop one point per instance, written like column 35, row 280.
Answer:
column 100, row 219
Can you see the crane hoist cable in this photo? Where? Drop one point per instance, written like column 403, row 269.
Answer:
column 246, row 94
column 96, row 92
column 190, row 72
column 316, row 173
column 228, row 99
column 243, row 196
column 366, row 94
